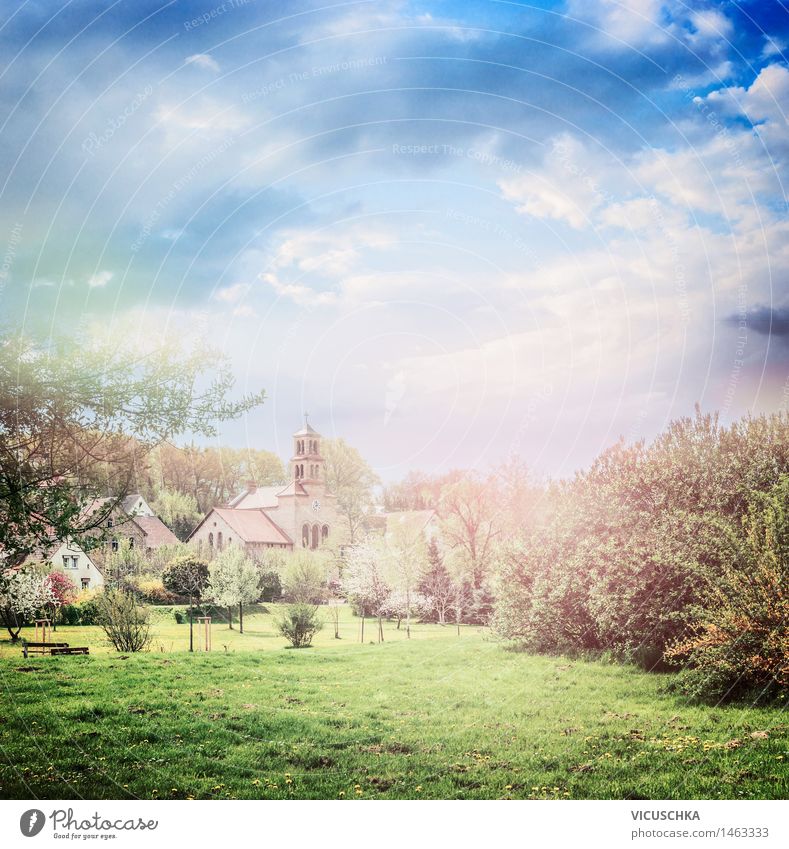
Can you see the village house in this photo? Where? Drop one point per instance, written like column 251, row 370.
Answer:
column 300, row 514
column 134, row 520
column 69, row 558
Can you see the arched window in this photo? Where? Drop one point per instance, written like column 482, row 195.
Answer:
column 305, row 536
column 219, row 541
column 316, row 532
column 324, row 533
column 211, row 541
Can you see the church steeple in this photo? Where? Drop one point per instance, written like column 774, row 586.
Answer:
column 307, row 462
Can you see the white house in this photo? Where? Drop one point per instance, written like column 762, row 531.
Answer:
column 68, row 557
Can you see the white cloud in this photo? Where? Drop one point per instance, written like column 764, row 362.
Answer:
column 570, row 185
column 766, row 99
column 232, row 294
column 299, row 294
column 203, row 60
column 100, row 279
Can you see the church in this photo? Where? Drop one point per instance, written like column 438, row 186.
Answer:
column 301, row 514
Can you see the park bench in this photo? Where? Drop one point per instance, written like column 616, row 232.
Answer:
column 51, row 648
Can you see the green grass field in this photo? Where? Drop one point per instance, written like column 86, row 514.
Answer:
column 435, row 717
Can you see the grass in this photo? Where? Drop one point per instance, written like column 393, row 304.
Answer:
column 436, row 717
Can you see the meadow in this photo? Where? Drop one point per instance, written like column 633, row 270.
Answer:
column 439, row 716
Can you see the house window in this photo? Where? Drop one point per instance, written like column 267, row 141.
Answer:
column 324, row 533
column 114, row 545
column 85, row 583
column 66, row 560
column 131, row 542
column 305, row 536
column 219, row 541
column 75, row 561
column 109, row 522
column 315, row 536
column 211, row 541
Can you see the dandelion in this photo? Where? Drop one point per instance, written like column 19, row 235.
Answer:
column 418, row 788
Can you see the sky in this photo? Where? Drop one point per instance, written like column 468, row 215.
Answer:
column 451, row 231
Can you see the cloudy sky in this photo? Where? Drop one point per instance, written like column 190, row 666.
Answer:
column 451, row 230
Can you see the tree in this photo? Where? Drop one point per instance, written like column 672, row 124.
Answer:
column 187, row 576
column 125, row 623
column 123, row 562
column 177, row 510
column 365, row 583
column 77, row 417
column 23, row 592
column 211, row 475
column 350, row 479
column 459, row 600
column 467, row 512
column 435, row 584
column 233, row 580
column 270, row 586
column 406, row 555
column 305, row 577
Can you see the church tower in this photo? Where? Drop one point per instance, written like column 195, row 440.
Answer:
column 314, row 508
column 307, row 465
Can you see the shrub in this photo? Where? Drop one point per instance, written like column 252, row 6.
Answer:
column 125, row 623
column 740, row 643
column 84, row 611
column 151, row 590
column 299, row 624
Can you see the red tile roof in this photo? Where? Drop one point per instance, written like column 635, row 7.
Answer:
column 156, row 532
column 253, row 525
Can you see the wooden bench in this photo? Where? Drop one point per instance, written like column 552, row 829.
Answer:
column 52, row 648
column 41, row 648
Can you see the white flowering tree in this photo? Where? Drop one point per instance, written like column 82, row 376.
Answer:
column 23, row 592
column 233, row 579
column 406, row 558
column 365, row 583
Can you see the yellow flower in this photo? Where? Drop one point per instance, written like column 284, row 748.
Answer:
column 418, row 788
column 256, row 781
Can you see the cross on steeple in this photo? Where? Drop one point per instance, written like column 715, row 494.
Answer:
column 306, row 419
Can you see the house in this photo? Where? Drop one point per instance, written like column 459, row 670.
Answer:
column 69, row 558
column 132, row 519
column 300, row 514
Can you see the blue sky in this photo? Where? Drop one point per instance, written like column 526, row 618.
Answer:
column 450, row 230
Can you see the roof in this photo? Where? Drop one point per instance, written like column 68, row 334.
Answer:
column 307, row 430
column 253, row 525
column 254, row 499
column 128, row 502
column 156, row 532
column 293, row 488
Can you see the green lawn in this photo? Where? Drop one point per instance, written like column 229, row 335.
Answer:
column 439, row 716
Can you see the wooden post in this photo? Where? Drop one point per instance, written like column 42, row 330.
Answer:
column 44, row 625
column 205, row 621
